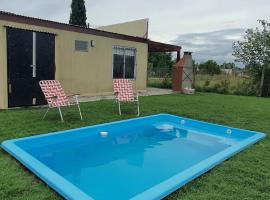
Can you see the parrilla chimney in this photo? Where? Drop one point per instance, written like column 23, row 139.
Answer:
column 183, row 76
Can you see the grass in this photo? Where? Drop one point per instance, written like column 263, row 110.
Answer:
column 245, row 176
column 215, row 79
column 225, row 84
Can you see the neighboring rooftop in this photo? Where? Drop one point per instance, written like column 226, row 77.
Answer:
column 137, row 28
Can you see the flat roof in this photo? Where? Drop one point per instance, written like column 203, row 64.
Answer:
column 7, row 16
column 152, row 45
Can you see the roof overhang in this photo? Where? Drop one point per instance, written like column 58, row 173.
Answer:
column 162, row 47
column 67, row 27
column 152, row 45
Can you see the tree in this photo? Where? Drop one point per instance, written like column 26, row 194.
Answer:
column 160, row 60
column 254, row 50
column 209, row 67
column 227, row 65
column 78, row 13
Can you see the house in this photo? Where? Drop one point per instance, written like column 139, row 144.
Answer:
column 234, row 71
column 84, row 60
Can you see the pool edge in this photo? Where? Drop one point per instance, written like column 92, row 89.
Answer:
column 48, row 176
column 173, row 182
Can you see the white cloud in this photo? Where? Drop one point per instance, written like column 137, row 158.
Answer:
column 215, row 45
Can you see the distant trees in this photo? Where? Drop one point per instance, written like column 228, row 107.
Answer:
column 78, row 13
column 254, row 51
column 228, row 65
column 160, row 60
column 209, row 67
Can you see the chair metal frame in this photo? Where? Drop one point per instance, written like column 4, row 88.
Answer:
column 53, row 100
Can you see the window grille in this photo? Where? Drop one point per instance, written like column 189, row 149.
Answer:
column 124, row 61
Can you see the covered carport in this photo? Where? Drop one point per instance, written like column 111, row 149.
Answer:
column 182, row 72
column 163, row 47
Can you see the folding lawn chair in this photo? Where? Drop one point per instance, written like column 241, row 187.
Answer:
column 124, row 93
column 56, row 97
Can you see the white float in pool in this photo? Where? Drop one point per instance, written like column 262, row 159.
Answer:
column 229, row 131
column 165, row 127
column 103, row 134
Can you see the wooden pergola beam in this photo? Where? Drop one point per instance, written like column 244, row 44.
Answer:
column 162, row 47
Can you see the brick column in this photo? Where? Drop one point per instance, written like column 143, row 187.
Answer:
column 177, row 78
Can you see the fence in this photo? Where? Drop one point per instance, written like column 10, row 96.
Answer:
column 236, row 82
column 159, row 72
column 159, row 77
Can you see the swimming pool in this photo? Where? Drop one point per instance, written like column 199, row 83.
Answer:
column 142, row 158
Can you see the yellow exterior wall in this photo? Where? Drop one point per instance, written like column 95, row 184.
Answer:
column 86, row 73
column 3, row 69
column 138, row 28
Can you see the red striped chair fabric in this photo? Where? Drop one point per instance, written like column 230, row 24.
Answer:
column 56, row 97
column 124, row 90
column 54, row 93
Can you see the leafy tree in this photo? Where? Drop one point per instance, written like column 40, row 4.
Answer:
column 160, row 59
column 228, row 65
column 78, row 13
column 209, row 67
column 255, row 71
column 254, row 51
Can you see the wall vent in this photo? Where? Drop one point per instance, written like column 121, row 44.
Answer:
column 81, row 45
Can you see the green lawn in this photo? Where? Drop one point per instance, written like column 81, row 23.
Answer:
column 245, row 176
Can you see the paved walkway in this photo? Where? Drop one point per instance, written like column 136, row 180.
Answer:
column 148, row 92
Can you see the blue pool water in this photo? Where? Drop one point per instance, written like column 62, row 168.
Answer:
column 144, row 158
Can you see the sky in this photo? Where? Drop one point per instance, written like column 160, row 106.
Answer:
column 205, row 27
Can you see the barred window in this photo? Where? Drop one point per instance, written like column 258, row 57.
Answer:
column 124, row 62
column 81, row 45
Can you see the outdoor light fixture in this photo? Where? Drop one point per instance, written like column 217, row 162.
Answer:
column 92, row 43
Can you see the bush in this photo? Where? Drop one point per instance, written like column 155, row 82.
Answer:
column 223, row 86
column 207, row 82
column 167, row 82
column 246, row 88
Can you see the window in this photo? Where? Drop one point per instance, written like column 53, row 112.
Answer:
column 81, row 45
column 124, row 62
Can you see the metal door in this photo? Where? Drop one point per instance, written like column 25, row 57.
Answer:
column 30, row 58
